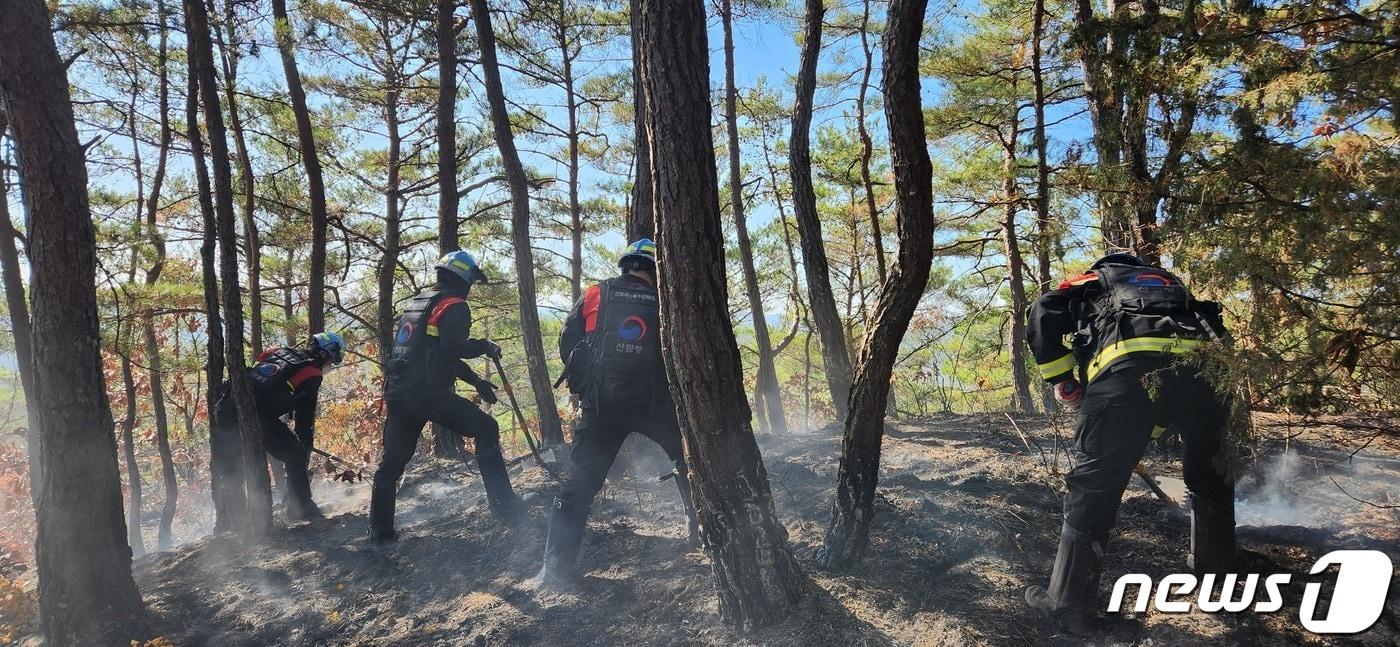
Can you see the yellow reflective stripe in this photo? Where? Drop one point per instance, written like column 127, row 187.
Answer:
column 461, row 265
column 1157, row 431
column 432, row 330
column 1052, row 370
column 1140, row 345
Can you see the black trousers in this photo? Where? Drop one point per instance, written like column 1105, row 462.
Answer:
column 404, row 426
column 1115, row 424
column 291, row 448
column 599, row 435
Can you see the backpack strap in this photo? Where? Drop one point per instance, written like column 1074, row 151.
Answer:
column 439, row 310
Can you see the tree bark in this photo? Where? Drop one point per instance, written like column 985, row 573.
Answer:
column 1042, row 172
column 86, row 593
column 575, row 210
column 757, row 578
column 641, row 217
column 252, row 242
column 835, row 357
column 867, row 147
column 550, row 428
column 316, row 188
column 133, row 469
column 769, row 395
column 854, row 508
column 155, row 370
column 1016, row 342
column 446, row 443
column 447, row 127
column 257, row 486
column 384, row 273
column 18, row 304
column 225, row 483
column 1042, row 165
column 1100, row 53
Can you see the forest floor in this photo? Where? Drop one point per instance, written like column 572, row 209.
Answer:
column 968, row 514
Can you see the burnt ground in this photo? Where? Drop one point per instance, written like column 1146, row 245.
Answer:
column 968, row 515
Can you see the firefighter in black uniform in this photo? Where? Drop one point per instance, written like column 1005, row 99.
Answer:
column 430, row 343
column 1129, row 320
column 611, row 349
column 284, row 381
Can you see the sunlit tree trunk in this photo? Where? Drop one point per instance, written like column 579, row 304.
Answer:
column 226, row 482
column 858, row 474
column 86, row 593
column 835, row 356
column 769, row 396
column 257, row 485
column 758, row 580
column 310, row 158
column 641, row 216
column 252, row 242
column 446, row 443
column 550, row 428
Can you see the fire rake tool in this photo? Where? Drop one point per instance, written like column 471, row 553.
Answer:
column 1151, row 484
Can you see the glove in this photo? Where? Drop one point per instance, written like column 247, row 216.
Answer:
column 487, row 391
column 1069, row 393
column 492, row 349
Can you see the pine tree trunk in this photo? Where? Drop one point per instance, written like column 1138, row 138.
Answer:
column 252, row 242
column 446, row 443
column 86, row 593
column 155, row 368
column 867, row 148
column 447, row 128
column 226, row 482
column 550, row 428
column 641, row 217
column 384, row 273
column 1015, row 266
column 310, row 158
column 835, row 357
column 257, row 487
column 1100, row 52
column 757, row 578
column 1042, row 165
column 571, row 102
column 768, row 394
column 854, row 508
column 133, row 469
column 18, row 307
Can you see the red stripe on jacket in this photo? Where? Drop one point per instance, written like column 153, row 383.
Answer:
column 591, row 300
column 441, row 308
column 302, row 375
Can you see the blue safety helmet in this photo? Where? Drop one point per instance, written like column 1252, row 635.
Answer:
column 640, row 255
column 463, row 266
column 330, row 343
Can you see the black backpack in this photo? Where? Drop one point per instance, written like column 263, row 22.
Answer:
column 1151, row 302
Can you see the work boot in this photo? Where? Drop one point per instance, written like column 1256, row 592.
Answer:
column 381, row 512
column 1069, row 600
column 692, row 523
column 561, row 546
column 500, row 497
column 300, row 506
column 1212, row 538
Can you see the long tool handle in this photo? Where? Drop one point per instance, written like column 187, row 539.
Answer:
column 520, row 418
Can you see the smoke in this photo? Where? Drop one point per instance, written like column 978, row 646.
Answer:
column 1292, row 489
column 1272, row 499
